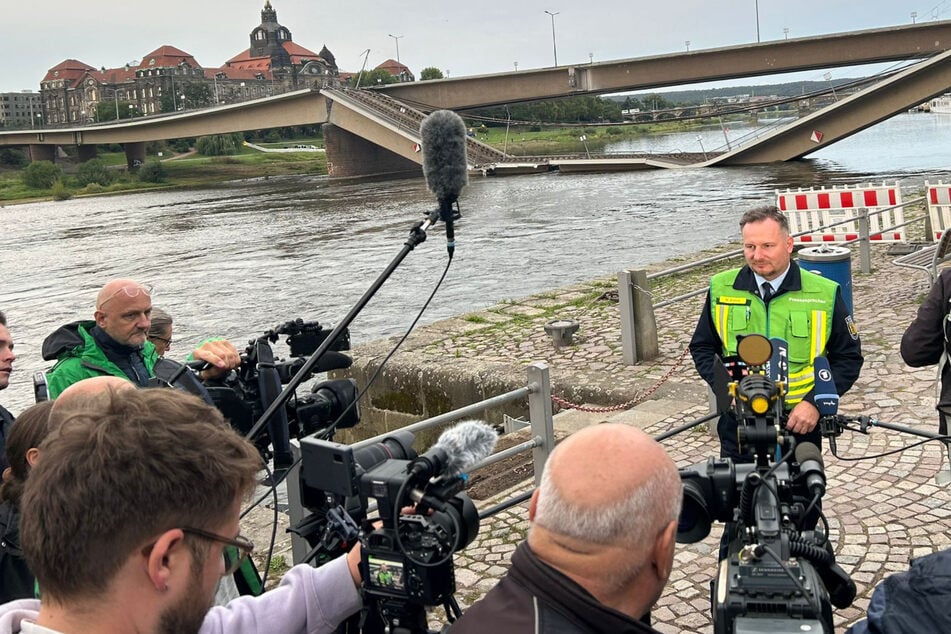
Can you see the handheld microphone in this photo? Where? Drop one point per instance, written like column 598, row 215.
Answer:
column 445, row 166
column 779, row 361
column 458, row 449
column 811, row 467
column 825, row 395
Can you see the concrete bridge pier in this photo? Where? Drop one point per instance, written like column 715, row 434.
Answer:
column 351, row 155
column 87, row 152
column 135, row 154
column 42, row 152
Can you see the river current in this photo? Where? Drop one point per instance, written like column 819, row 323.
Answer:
column 242, row 257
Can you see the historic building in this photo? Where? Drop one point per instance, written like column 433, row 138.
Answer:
column 169, row 79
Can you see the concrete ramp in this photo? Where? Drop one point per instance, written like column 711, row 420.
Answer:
column 882, row 100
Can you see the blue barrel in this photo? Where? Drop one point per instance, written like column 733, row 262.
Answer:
column 831, row 262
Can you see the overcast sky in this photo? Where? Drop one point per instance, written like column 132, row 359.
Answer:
column 459, row 38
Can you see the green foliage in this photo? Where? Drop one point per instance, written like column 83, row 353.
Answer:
column 374, row 77
column 106, row 110
column 430, row 72
column 13, row 157
column 583, row 109
column 219, row 144
column 59, row 190
column 41, row 174
column 93, row 171
column 152, row 172
column 181, row 145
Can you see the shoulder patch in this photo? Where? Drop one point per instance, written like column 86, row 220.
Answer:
column 853, row 329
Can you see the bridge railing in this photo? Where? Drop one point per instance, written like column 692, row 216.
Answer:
column 637, row 307
column 541, row 443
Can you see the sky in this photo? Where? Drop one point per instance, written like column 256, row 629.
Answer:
column 459, row 38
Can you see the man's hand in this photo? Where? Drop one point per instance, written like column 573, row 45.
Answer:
column 221, row 354
column 802, row 418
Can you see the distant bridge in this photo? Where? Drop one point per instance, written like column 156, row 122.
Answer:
column 376, row 131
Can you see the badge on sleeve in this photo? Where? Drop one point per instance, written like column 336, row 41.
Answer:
column 853, row 330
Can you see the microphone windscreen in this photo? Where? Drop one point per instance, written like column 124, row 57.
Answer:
column 466, row 444
column 806, row 451
column 443, row 140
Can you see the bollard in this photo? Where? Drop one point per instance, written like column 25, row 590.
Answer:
column 638, row 326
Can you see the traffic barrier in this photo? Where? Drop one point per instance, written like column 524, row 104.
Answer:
column 810, row 211
column 939, row 208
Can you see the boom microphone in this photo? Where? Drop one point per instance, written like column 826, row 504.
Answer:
column 811, row 467
column 445, row 166
column 825, row 396
column 458, row 449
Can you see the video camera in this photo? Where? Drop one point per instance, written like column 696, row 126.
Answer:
column 778, row 575
column 424, row 517
column 243, row 395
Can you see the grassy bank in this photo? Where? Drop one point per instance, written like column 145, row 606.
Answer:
column 183, row 171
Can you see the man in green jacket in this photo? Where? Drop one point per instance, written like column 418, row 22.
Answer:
column 116, row 342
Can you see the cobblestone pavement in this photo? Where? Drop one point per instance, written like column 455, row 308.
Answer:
column 882, row 511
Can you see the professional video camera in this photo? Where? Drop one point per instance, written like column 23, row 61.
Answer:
column 245, row 394
column 424, row 517
column 778, row 576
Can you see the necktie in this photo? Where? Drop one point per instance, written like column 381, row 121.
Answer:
column 767, row 291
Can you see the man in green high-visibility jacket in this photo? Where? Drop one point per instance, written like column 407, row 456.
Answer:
column 804, row 309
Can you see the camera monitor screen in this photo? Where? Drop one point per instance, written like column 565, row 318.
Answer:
column 386, row 574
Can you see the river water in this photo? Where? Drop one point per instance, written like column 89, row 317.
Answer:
column 237, row 259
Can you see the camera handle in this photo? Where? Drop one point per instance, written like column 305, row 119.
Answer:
column 417, row 236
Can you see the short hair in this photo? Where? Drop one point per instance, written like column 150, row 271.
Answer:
column 3, row 319
column 630, row 520
column 28, row 431
column 160, row 322
column 766, row 212
column 130, row 466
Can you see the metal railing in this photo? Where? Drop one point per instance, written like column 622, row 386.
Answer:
column 538, row 392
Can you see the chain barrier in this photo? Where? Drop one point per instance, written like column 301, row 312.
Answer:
column 629, row 404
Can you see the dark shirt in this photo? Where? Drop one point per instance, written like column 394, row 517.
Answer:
column 128, row 358
column 6, row 421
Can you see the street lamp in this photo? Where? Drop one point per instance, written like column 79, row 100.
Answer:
column 131, row 111
column 757, row 19
column 687, row 44
column 914, row 16
column 554, row 47
column 786, row 32
column 516, row 67
column 396, row 38
column 182, row 101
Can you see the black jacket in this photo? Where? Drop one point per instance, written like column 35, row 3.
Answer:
column 16, row 580
column 534, row 597
column 6, row 421
column 926, row 338
column 843, row 350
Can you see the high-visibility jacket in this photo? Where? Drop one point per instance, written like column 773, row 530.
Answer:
column 802, row 318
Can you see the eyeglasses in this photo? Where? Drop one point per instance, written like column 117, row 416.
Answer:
column 167, row 342
column 236, row 550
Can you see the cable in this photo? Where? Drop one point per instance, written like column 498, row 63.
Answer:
column 815, row 604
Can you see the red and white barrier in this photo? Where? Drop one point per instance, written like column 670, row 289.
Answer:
column 811, row 210
column 939, row 208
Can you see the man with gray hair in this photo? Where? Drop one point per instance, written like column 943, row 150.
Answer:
column 601, row 543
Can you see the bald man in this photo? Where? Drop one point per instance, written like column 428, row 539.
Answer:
column 116, row 342
column 601, row 543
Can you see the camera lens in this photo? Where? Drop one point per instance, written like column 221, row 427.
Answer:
column 398, row 446
column 695, row 520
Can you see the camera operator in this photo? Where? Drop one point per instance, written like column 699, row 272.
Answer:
column 601, row 544
column 131, row 517
column 116, row 343
column 772, row 296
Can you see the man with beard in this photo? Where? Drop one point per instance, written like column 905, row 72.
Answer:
column 131, row 517
column 7, row 357
column 117, row 344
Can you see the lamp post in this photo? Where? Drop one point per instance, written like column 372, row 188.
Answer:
column 554, row 46
column 785, row 32
column 687, row 44
column 914, row 16
column 516, row 67
column 756, row 2
column 182, row 101
column 396, row 38
column 131, row 111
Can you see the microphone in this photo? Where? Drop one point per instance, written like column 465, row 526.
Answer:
column 779, row 361
column 811, row 467
column 445, row 166
column 458, row 449
column 825, row 395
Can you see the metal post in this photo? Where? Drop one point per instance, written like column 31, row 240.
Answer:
column 554, row 46
column 539, row 410
column 295, row 508
column 865, row 251
column 625, row 296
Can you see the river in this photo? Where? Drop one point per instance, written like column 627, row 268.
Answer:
column 237, row 259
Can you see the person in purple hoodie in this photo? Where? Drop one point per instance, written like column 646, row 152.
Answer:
column 131, row 518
